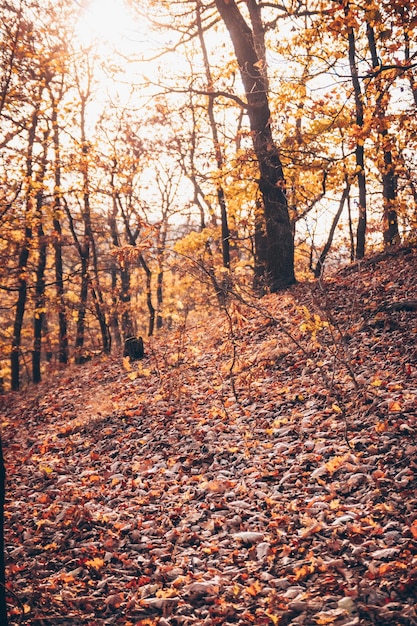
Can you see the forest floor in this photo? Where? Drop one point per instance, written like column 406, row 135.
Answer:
column 257, row 468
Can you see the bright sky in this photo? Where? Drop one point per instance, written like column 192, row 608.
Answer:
column 106, row 22
column 122, row 42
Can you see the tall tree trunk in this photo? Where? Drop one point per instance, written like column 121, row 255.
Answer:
column 39, row 307
column 280, row 243
column 84, row 248
column 389, row 177
column 99, row 304
column 84, row 254
column 21, row 302
column 160, row 247
column 39, row 312
column 104, row 327
column 111, row 219
column 82, row 306
column 221, row 197
column 57, row 241
column 124, row 295
column 159, row 297
column 24, row 254
column 114, row 318
column 360, row 151
column 151, row 308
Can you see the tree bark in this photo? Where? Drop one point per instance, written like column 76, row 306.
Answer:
column 24, row 254
column 57, row 241
column 360, row 151
column 389, row 177
column 221, row 197
column 124, row 295
column 151, row 307
column 39, row 313
column 84, row 248
column 320, row 263
column 280, row 243
column 99, row 303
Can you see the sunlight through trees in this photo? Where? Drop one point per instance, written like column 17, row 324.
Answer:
column 149, row 147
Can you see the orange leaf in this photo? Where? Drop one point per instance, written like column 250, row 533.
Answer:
column 302, row 572
column 274, row 618
column 395, row 406
column 334, row 463
column 254, row 589
column 95, row 563
column 377, row 382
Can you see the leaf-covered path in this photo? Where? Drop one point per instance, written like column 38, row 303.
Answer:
column 259, row 468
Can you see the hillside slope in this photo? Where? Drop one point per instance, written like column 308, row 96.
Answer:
column 257, row 468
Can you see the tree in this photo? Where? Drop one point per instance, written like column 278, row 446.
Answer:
column 25, row 248
column 221, row 197
column 39, row 310
column 387, row 167
column 85, row 243
column 56, row 98
column 360, row 139
column 252, row 67
column 127, row 226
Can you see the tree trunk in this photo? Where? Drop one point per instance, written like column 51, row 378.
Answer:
column 84, row 248
column 99, row 304
column 151, row 307
column 280, row 244
column 84, row 254
column 57, row 242
column 39, row 312
column 125, row 298
column 389, row 176
column 114, row 318
column 39, row 309
column 82, row 306
column 159, row 298
column 359, row 152
column 104, row 327
column 221, row 197
column 320, row 263
column 124, row 295
column 20, row 308
column 24, row 255
column 260, row 248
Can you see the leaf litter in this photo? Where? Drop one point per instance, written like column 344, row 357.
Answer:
column 255, row 469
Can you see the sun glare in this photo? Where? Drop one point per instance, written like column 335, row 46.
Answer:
column 105, row 21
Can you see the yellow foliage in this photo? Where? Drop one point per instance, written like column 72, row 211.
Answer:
column 95, row 563
column 312, row 323
column 334, row 463
column 194, row 243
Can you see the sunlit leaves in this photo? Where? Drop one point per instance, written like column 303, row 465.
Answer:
column 312, row 323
